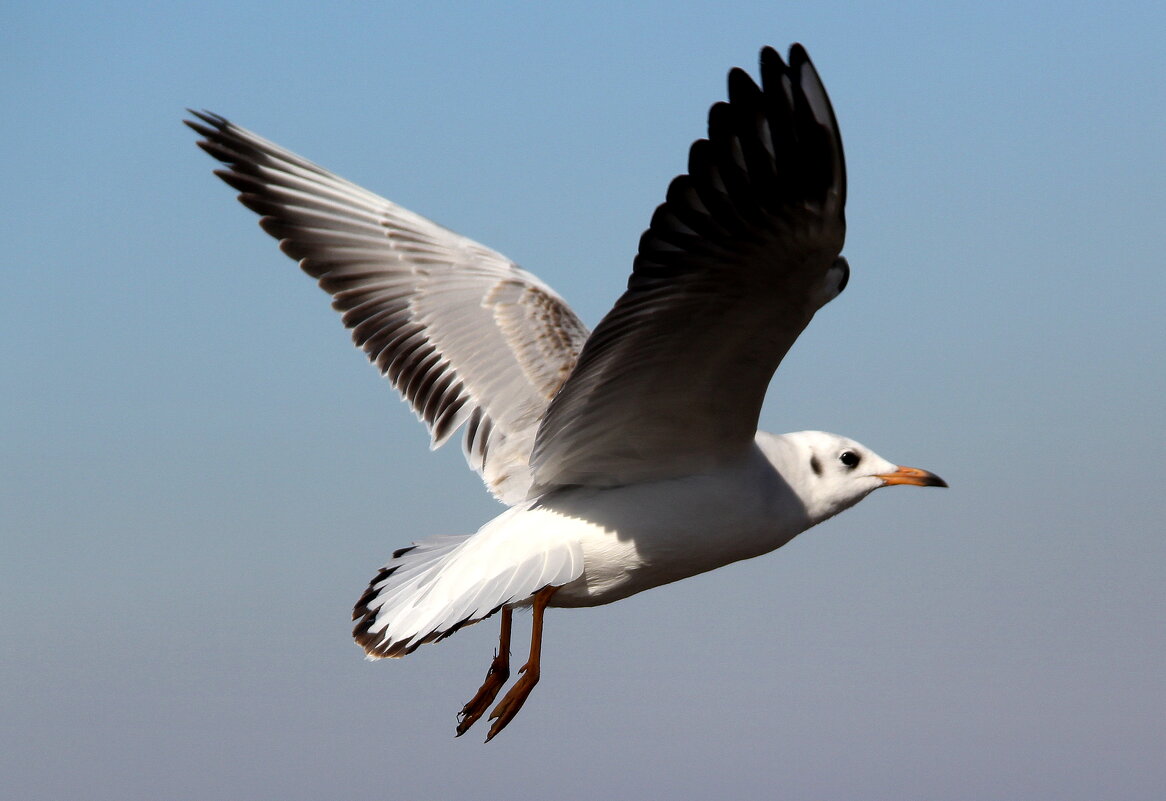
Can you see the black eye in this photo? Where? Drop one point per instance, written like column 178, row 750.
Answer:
column 849, row 458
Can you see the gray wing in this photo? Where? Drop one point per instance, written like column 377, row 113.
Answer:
column 735, row 263
column 464, row 334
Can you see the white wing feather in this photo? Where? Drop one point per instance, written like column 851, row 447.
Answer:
column 466, row 336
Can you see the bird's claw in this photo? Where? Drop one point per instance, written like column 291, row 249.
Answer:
column 496, row 676
column 512, row 702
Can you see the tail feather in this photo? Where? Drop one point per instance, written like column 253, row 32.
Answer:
column 430, row 590
column 407, row 568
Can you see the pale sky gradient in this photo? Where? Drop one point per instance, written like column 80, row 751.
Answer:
column 199, row 473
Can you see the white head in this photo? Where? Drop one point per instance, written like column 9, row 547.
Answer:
column 832, row 473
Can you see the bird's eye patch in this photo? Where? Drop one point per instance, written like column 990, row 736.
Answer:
column 849, row 458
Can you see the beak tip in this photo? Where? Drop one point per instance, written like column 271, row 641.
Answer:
column 913, row 476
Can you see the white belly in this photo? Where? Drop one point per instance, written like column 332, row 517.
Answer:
column 644, row 535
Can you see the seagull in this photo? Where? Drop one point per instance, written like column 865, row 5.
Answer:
column 629, row 456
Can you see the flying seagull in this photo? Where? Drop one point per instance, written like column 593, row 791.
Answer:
column 629, row 456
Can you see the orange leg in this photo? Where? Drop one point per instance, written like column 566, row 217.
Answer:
column 513, row 700
column 496, row 676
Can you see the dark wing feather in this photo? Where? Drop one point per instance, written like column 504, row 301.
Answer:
column 734, row 265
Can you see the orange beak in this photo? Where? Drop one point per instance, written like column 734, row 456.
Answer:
column 911, row 475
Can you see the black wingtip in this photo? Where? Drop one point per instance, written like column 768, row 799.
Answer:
column 209, row 117
column 769, row 55
column 207, row 124
column 742, row 87
column 204, row 124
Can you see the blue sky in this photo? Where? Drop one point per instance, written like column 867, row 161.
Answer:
column 200, row 473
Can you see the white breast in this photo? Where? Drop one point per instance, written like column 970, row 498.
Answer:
column 644, row 535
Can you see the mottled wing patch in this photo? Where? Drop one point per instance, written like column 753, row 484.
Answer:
column 544, row 334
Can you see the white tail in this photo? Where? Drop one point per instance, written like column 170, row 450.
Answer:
column 433, row 588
